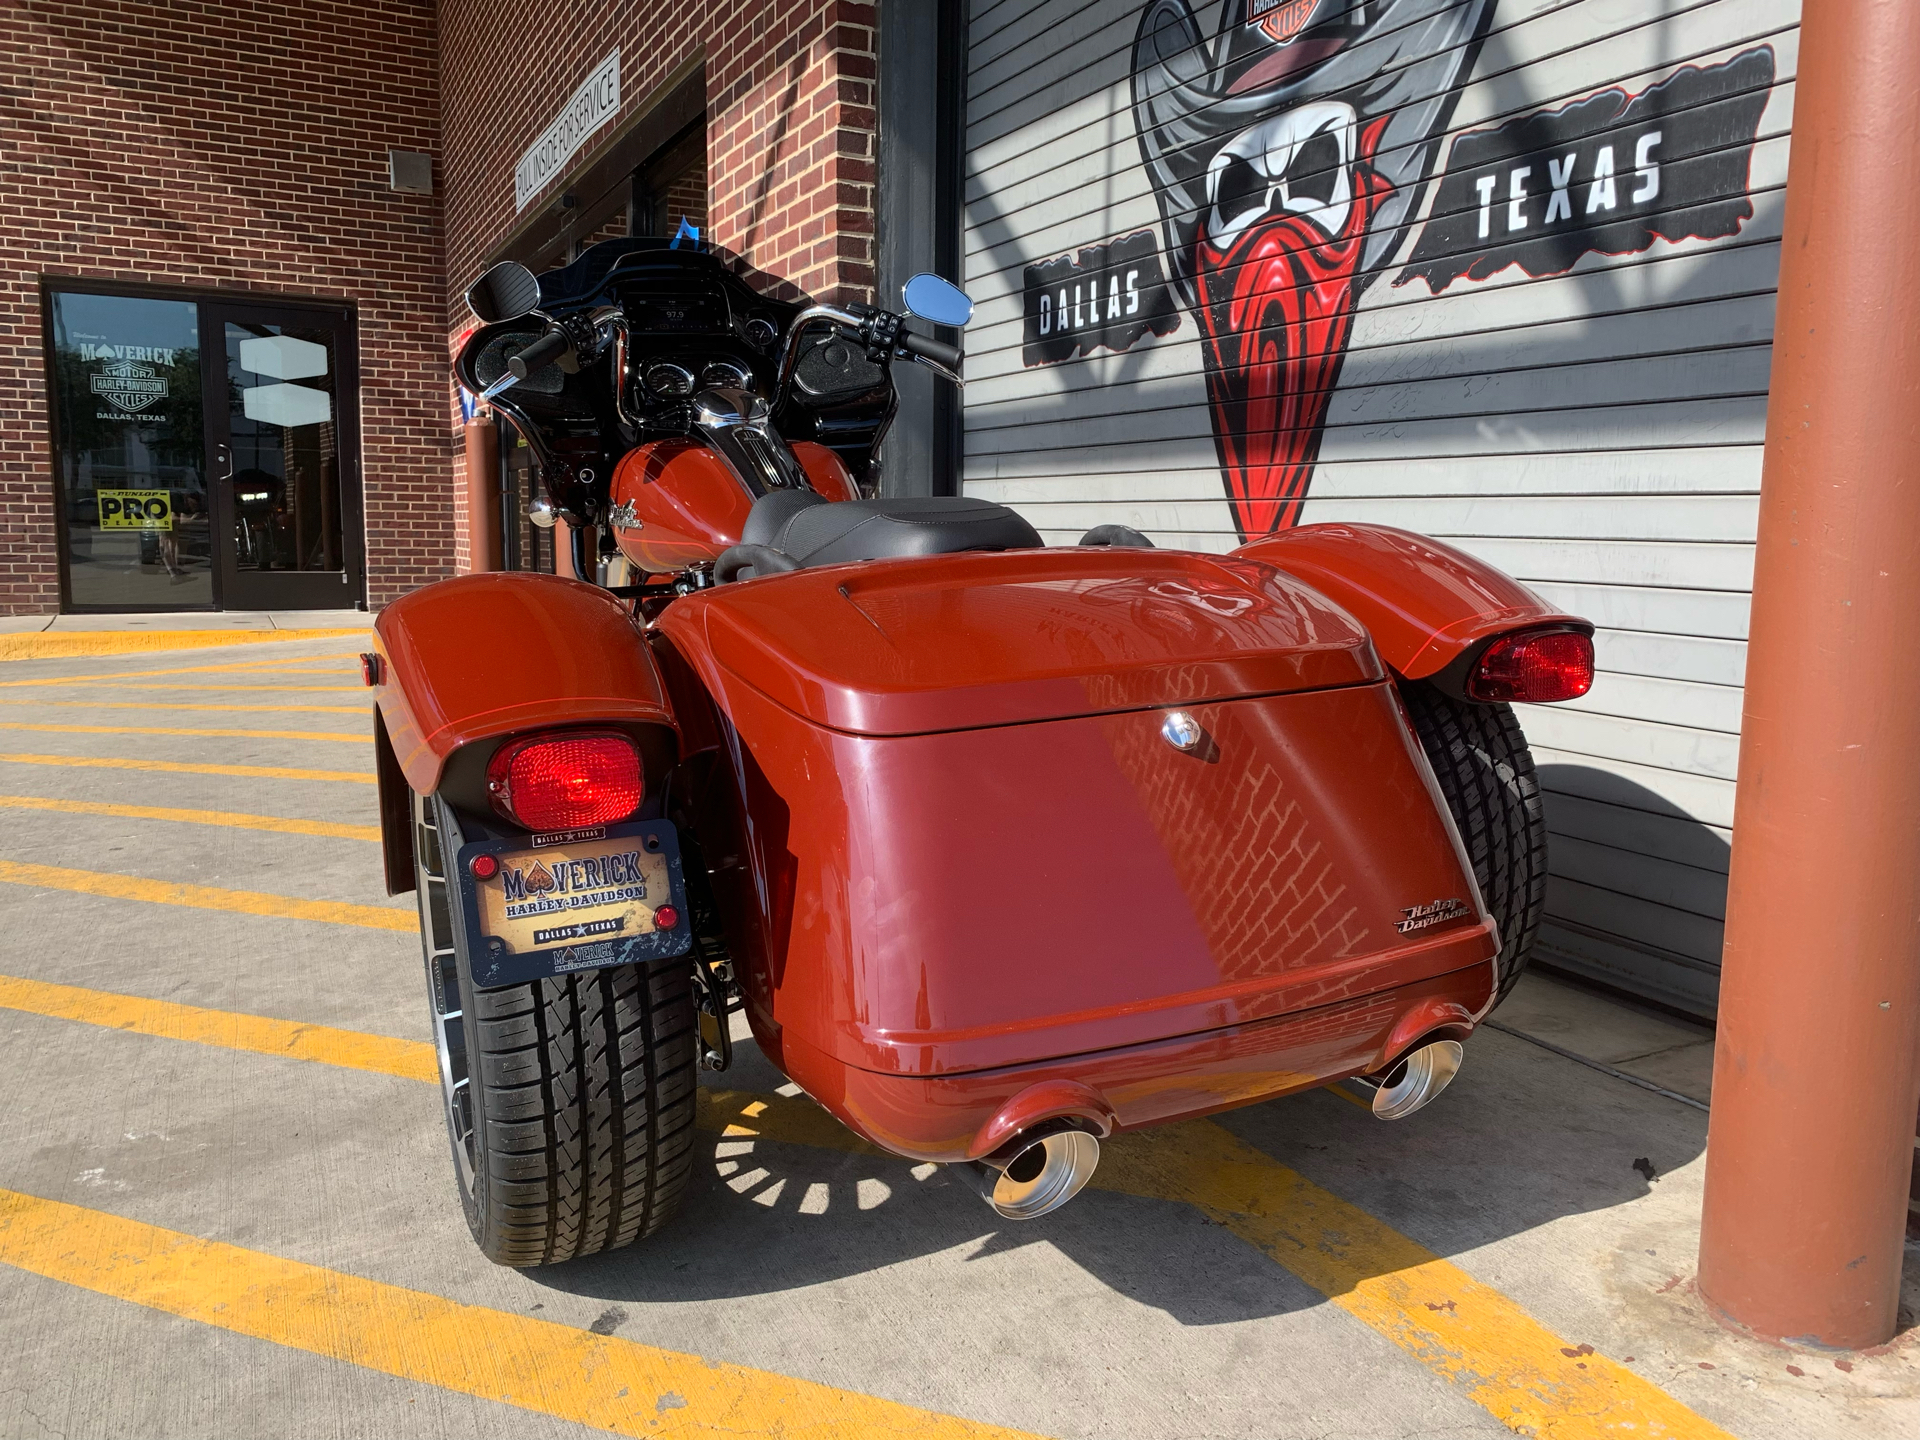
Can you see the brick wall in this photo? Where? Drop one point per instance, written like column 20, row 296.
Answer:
column 790, row 123
column 685, row 199
column 790, row 142
column 239, row 147
column 243, row 148
column 790, row 119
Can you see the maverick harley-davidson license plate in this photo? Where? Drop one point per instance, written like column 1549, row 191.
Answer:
column 577, row 900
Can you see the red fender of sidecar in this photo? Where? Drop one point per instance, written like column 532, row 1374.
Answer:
column 1425, row 604
column 478, row 658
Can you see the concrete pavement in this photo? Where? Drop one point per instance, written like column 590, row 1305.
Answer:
column 1516, row 1257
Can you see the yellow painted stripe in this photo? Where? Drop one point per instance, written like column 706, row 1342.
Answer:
column 348, row 1049
column 232, row 820
column 537, row 1365
column 63, row 644
column 150, row 730
column 267, row 667
column 1341, row 1092
column 42, row 702
column 206, row 897
column 180, row 767
column 1466, row 1332
column 219, row 689
column 1472, row 1335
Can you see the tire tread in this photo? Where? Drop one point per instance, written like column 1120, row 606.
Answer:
column 588, row 1114
column 1486, row 773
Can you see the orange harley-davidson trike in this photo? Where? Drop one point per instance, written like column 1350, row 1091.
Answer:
column 1002, row 847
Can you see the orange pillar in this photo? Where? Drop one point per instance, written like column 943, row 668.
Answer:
column 483, row 496
column 1817, row 1073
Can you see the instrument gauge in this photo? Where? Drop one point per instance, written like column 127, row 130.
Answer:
column 675, row 382
column 761, row 332
column 725, row 375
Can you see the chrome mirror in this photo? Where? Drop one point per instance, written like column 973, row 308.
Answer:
column 931, row 298
column 506, row 292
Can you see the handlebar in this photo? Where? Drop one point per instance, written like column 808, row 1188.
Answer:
column 869, row 327
column 548, row 348
column 790, row 350
column 928, row 348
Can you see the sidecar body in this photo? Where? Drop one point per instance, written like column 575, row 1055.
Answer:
column 976, row 886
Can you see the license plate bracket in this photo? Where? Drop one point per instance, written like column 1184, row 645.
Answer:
column 572, row 901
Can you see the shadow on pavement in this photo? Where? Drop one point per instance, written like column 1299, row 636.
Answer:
column 1523, row 1138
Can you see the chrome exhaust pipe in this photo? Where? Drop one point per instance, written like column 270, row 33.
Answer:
column 1415, row 1080
column 1036, row 1172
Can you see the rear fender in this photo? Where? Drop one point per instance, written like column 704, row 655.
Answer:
column 1430, row 608
column 467, row 663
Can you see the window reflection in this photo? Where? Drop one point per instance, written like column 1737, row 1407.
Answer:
column 286, row 452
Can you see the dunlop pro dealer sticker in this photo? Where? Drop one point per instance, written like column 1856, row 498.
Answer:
column 552, row 904
column 136, row 509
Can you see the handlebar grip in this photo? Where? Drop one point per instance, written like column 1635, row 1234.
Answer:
column 934, row 350
column 548, row 348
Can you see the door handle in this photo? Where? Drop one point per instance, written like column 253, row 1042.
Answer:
column 223, row 461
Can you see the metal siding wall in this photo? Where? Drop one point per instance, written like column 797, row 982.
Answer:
column 1596, row 432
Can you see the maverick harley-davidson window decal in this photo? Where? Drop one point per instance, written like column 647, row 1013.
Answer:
column 1105, row 296
column 1609, row 174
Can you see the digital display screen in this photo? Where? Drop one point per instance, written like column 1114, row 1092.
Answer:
column 680, row 312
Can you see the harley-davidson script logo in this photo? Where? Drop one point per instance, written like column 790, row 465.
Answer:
column 1437, row 912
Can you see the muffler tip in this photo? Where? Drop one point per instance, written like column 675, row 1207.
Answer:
column 1039, row 1175
column 1417, row 1080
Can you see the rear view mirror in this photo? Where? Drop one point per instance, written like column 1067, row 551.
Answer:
column 931, row 298
column 506, row 292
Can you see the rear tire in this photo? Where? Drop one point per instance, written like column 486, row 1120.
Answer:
column 1485, row 770
column 570, row 1101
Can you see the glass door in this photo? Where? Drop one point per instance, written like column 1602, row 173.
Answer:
column 205, row 454
column 129, row 452
column 286, row 497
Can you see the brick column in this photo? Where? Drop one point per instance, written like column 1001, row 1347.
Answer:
column 790, row 143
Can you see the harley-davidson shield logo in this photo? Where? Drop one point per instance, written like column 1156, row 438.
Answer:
column 1281, row 19
column 129, row 386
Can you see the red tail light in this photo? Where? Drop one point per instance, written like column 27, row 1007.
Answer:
column 1539, row 666
column 566, row 781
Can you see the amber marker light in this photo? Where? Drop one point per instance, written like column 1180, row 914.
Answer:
column 567, row 781
column 1537, row 667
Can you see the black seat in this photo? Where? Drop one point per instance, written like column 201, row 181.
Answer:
column 815, row 531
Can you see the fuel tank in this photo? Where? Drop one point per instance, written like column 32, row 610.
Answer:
column 960, row 834
column 688, row 505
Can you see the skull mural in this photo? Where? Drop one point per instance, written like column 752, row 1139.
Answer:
column 1288, row 158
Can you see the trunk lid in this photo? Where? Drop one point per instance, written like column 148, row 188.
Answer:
column 960, row 642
